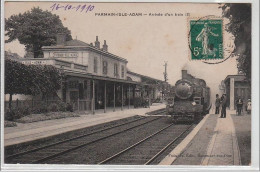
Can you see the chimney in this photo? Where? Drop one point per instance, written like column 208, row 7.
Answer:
column 97, row 43
column 60, row 39
column 184, row 74
column 105, row 46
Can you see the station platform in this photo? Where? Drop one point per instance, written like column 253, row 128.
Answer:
column 212, row 142
column 37, row 130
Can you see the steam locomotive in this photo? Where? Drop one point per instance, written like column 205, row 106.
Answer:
column 190, row 100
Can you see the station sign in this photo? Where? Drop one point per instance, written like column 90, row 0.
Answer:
column 35, row 62
column 65, row 54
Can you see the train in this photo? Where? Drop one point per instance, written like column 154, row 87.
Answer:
column 190, row 99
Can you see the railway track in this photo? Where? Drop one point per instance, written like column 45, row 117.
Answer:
column 147, row 150
column 45, row 153
column 104, row 147
column 157, row 112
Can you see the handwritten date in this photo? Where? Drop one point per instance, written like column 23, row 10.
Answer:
column 80, row 8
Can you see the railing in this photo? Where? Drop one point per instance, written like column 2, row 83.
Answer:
column 81, row 67
column 63, row 63
column 81, row 105
column 16, row 104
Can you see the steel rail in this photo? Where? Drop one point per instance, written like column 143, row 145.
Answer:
column 167, row 146
column 132, row 146
column 88, row 143
column 67, row 140
column 157, row 112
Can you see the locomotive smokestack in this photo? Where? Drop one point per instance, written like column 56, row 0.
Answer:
column 184, row 74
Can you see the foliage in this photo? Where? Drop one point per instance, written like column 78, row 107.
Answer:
column 239, row 16
column 44, row 79
column 69, row 107
column 31, row 79
column 17, row 76
column 10, row 124
column 42, row 108
column 157, row 100
column 62, row 106
column 46, row 116
column 34, row 29
column 141, row 102
column 53, row 107
column 12, row 114
column 9, row 115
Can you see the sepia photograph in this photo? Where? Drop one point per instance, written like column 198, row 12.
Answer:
column 117, row 85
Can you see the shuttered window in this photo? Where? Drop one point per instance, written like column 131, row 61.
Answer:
column 122, row 71
column 95, row 65
column 115, row 70
column 104, row 67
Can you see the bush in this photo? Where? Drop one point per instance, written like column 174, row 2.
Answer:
column 53, row 107
column 10, row 124
column 14, row 114
column 9, row 115
column 62, row 106
column 46, row 116
column 26, row 110
column 69, row 107
column 41, row 108
column 58, row 106
column 18, row 113
column 141, row 102
column 157, row 100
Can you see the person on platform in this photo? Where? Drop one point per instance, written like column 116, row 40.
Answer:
column 223, row 106
column 239, row 104
column 248, row 106
column 217, row 104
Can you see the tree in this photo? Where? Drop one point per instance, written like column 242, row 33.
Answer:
column 31, row 79
column 16, row 79
column 47, row 80
column 239, row 16
column 34, row 29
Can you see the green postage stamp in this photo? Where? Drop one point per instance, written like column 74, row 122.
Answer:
column 206, row 39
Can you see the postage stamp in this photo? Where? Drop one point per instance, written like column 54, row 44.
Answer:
column 206, row 39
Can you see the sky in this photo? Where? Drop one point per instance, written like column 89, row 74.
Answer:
column 147, row 42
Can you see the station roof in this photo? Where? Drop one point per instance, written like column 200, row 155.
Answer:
column 238, row 77
column 76, row 43
column 80, row 45
column 143, row 76
column 91, row 76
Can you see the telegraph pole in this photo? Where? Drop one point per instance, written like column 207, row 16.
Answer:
column 165, row 79
column 165, row 72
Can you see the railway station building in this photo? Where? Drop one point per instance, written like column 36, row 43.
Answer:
column 94, row 78
column 237, row 86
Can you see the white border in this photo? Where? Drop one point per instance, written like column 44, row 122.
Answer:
column 255, row 101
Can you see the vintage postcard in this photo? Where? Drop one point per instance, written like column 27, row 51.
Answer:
column 129, row 85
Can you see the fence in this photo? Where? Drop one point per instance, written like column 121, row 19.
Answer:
column 80, row 105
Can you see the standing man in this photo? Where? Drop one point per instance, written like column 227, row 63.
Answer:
column 239, row 104
column 248, row 106
column 224, row 106
column 217, row 104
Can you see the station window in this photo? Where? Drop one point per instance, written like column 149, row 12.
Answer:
column 104, row 67
column 115, row 70
column 95, row 65
column 122, row 71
